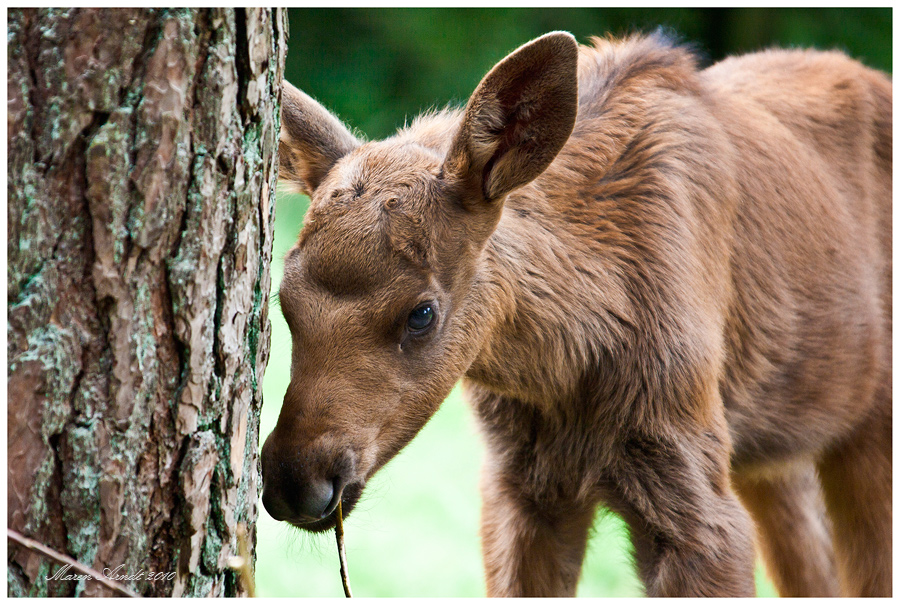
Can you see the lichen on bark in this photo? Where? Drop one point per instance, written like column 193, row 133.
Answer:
column 142, row 163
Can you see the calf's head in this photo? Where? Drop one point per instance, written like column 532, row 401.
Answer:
column 384, row 293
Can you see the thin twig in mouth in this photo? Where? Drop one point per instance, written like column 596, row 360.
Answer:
column 342, row 554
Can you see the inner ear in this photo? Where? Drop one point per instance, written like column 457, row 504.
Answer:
column 518, row 118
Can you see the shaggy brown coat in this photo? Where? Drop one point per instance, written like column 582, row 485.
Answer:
column 666, row 290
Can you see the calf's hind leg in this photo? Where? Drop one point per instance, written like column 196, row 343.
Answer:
column 856, row 479
column 792, row 530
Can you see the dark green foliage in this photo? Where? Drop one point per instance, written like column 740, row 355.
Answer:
column 378, row 67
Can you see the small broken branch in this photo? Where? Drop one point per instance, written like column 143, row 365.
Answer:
column 46, row 551
column 342, row 554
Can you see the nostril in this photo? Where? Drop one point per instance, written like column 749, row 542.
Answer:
column 316, row 500
column 337, row 489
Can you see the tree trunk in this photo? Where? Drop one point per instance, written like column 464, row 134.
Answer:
column 142, row 164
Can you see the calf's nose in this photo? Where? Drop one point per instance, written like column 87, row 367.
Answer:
column 311, row 500
column 302, row 488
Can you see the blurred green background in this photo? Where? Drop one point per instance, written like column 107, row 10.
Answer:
column 415, row 533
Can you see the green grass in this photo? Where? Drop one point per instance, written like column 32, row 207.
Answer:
column 415, row 532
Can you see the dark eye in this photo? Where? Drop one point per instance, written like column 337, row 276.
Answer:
column 421, row 318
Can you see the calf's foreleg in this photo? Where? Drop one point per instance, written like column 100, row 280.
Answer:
column 530, row 549
column 691, row 535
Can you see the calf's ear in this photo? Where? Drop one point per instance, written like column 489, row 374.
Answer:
column 518, row 118
column 312, row 140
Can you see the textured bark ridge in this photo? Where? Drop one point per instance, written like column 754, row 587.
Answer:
column 142, row 164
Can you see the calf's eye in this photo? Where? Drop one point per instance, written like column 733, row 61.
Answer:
column 421, row 318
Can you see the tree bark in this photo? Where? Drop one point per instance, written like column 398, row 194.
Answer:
column 141, row 178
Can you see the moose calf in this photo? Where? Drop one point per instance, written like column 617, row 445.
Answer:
column 666, row 290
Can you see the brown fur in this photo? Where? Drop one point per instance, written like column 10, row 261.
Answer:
column 676, row 302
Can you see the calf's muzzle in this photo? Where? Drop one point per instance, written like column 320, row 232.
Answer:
column 302, row 484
